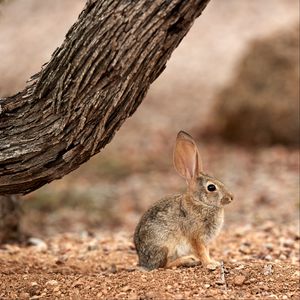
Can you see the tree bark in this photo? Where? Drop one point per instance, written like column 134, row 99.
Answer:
column 72, row 108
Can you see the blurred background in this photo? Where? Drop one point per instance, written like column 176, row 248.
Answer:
column 233, row 83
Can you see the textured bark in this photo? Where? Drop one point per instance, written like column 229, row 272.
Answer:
column 72, row 108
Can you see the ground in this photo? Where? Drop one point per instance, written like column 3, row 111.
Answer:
column 258, row 263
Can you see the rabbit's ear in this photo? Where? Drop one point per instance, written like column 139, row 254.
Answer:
column 187, row 160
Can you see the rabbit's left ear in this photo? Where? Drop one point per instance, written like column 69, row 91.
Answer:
column 187, row 160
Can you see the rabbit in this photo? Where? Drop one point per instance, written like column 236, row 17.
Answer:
column 176, row 230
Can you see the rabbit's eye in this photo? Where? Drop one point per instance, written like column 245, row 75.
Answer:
column 211, row 187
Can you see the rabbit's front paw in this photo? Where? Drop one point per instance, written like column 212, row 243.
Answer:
column 190, row 261
column 212, row 265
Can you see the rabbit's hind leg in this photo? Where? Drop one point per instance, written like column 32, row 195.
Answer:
column 153, row 258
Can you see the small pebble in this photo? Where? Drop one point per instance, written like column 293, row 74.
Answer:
column 33, row 283
column 288, row 243
column 78, row 283
column 282, row 257
column 93, row 245
column 113, row 269
column 239, row 280
column 52, row 282
column 240, row 267
column 244, row 249
column 268, row 270
column 24, row 296
column 297, row 274
column 269, row 246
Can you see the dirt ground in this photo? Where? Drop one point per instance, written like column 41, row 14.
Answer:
column 259, row 263
column 81, row 226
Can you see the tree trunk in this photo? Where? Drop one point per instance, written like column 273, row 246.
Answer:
column 10, row 213
column 72, row 108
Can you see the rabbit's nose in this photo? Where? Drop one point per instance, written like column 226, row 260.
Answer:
column 227, row 199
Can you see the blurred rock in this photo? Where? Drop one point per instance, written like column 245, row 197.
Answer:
column 239, row 280
column 39, row 244
column 268, row 257
column 268, row 269
column 261, row 105
column 52, row 282
column 24, row 296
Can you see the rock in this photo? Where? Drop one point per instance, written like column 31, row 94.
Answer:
column 60, row 260
column 288, row 243
column 126, row 288
column 39, row 244
column 11, row 249
column 213, row 265
column 282, row 257
column 297, row 274
column 151, row 295
column 133, row 296
column 268, row 257
column 269, row 246
column 52, row 282
column 24, row 296
column 113, row 269
column 261, row 105
column 104, row 291
column 34, row 289
column 34, row 283
column 93, row 245
column 268, row 270
column 240, row 267
column 245, row 249
column 239, row 280
column 268, row 226
column 207, row 285
column 78, row 283
column 220, row 282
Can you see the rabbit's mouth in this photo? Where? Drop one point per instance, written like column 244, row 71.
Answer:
column 209, row 204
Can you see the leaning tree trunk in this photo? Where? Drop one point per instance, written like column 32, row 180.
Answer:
column 93, row 82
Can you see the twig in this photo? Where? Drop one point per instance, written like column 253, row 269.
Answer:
column 222, row 280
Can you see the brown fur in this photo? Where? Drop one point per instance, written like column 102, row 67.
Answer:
column 176, row 230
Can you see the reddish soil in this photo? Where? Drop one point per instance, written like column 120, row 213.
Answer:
column 258, row 264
